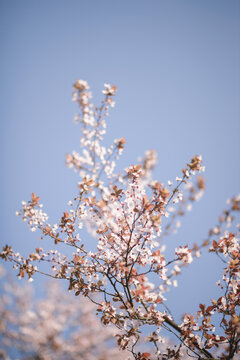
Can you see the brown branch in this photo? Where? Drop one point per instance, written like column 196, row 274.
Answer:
column 179, row 330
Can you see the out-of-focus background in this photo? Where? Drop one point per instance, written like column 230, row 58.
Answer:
column 176, row 66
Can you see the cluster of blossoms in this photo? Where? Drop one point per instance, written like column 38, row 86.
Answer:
column 32, row 213
column 58, row 326
column 128, row 214
column 96, row 157
column 223, row 312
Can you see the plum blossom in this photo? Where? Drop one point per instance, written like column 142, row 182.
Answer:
column 127, row 271
column 184, row 254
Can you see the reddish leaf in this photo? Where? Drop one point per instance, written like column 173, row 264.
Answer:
column 146, row 355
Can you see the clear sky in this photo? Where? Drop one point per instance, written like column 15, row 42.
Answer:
column 176, row 65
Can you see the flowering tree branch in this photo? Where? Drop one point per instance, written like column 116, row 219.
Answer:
column 127, row 213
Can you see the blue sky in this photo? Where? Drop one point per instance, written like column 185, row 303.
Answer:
column 176, row 65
